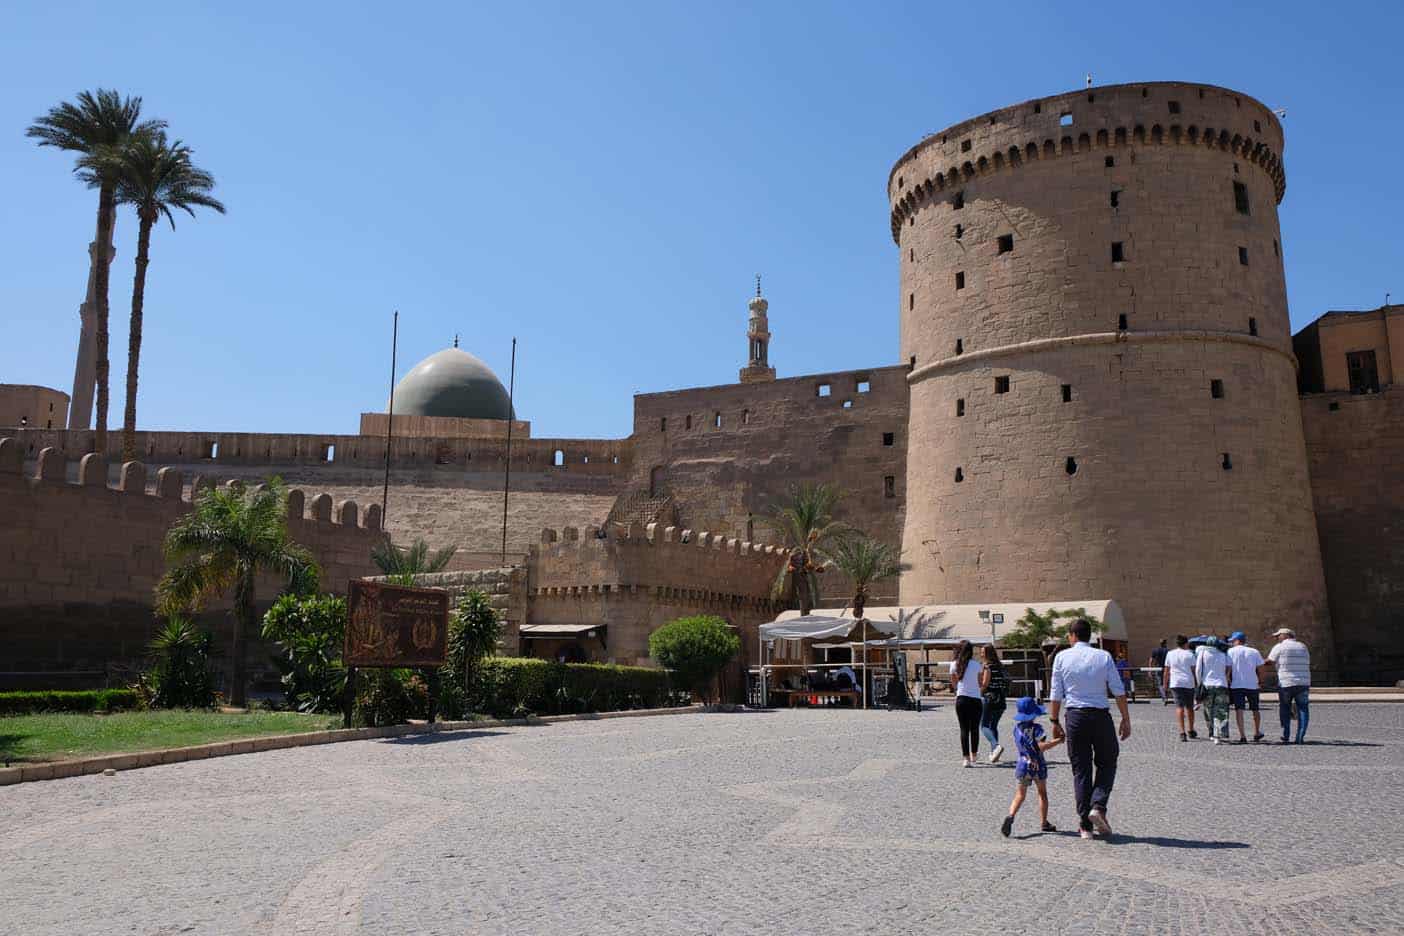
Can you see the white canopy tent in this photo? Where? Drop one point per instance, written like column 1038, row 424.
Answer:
column 923, row 627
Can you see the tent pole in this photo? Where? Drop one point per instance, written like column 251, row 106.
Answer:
column 865, row 663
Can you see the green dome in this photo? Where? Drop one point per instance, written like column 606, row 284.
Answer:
column 452, row 383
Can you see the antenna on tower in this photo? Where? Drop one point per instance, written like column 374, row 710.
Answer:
column 1089, row 79
column 455, row 339
column 758, row 292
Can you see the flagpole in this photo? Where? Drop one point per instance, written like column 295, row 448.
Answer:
column 507, row 471
column 390, row 418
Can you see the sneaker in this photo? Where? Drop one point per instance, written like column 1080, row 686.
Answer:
column 1085, row 833
column 1098, row 818
column 1193, row 733
column 1215, row 739
column 1284, row 740
column 1258, row 737
column 996, row 753
column 1006, row 826
column 1242, row 741
column 965, row 762
column 1183, row 736
column 1049, row 827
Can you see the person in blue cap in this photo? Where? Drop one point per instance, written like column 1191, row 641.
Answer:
column 1031, row 768
column 1245, row 674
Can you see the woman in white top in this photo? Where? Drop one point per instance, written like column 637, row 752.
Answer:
column 1211, row 671
column 965, row 683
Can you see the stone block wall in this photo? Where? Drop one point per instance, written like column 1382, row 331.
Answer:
column 1355, row 445
column 638, row 580
column 79, row 561
column 848, row 429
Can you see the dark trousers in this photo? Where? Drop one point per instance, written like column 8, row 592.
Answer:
column 1092, row 752
column 1301, row 695
column 968, row 713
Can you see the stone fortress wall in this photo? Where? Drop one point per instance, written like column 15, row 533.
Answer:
column 80, row 560
column 635, row 580
column 447, row 491
column 726, row 455
column 1103, row 388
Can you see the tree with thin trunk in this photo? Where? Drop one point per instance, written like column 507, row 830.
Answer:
column 865, row 561
column 100, row 122
column 806, row 527
column 154, row 177
column 232, row 536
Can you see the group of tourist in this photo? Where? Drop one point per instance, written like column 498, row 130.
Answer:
column 1205, row 671
column 1215, row 674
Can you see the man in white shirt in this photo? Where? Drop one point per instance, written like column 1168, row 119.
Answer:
column 1082, row 677
column 1211, row 671
column 1245, row 666
column 1178, row 680
column 1292, row 661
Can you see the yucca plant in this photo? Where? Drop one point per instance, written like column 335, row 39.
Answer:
column 403, row 563
column 180, row 674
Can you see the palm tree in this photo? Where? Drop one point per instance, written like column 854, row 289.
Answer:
column 231, row 536
column 806, row 526
column 152, row 176
column 865, row 561
column 403, row 563
column 98, row 123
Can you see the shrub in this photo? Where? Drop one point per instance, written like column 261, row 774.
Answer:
column 309, row 633
column 1033, row 629
column 514, row 686
column 474, row 631
column 694, row 650
column 180, row 675
column 63, row 700
column 389, row 697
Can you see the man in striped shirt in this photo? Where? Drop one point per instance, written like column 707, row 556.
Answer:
column 1292, row 661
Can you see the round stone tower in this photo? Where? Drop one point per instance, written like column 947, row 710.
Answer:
column 1103, row 392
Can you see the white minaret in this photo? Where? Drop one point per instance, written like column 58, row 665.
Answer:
column 758, row 337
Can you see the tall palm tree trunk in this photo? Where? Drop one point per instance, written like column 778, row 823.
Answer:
column 129, row 452
column 107, row 205
column 244, row 621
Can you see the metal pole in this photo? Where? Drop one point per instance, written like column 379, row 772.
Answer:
column 390, row 419
column 507, row 473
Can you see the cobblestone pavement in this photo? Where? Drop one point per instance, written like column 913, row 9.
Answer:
column 778, row 822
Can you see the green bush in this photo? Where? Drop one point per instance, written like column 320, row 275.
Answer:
column 507, row 687
column 180, row 674
column 389, row 697
column 64, row 700
column 309, row 633
column 694, row 650
column 474, row 631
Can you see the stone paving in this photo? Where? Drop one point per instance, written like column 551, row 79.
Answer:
column 810, row 822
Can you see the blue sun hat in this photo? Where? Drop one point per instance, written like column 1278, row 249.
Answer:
column 1028, row 710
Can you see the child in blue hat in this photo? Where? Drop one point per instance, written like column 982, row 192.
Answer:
column 1031, row 768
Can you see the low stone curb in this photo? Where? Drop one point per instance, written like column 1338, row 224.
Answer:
column 58, row 770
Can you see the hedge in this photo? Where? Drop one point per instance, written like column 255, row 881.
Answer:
column 507, row 686
column 62, row 700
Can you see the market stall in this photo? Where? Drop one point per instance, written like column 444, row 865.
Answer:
column 786, row 666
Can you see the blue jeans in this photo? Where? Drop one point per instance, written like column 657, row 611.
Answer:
column 1286, row 695
column 989, row 722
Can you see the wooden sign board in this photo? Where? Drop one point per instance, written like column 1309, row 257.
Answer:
column 391, row 625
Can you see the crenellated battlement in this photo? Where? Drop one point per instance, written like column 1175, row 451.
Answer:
column 171, row 485
column 1105, row 118
column 594, row 457
column 663, row 560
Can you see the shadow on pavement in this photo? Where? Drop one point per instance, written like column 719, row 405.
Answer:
column 441, row 737
column 1161, row 841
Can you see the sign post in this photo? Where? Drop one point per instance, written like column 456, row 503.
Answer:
column 391, row 626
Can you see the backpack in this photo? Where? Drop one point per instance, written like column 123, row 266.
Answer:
column 998, row 688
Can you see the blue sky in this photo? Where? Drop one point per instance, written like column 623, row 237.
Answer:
column 600, row 180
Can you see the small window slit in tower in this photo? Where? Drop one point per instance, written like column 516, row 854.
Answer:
column 1070, row 466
